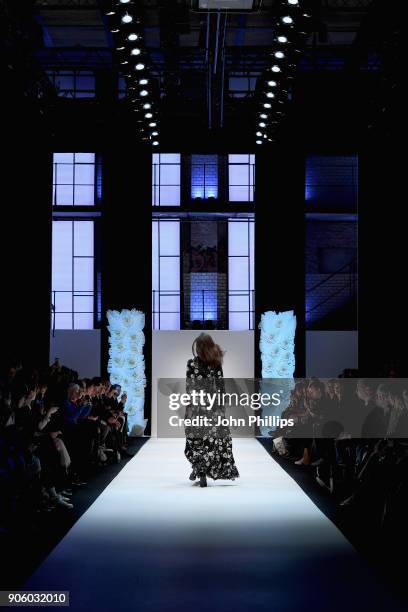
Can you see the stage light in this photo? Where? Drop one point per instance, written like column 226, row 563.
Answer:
column 269, row 94
column 110, row 13
column 259, row 142
column 155, row 133
column 135, row 51
column 143, row 93
column 272, row 83
column 279, row 54
column 152, row 124
column 148, row 115
column 120, row 48
column 287, row 19
column 124, row 62
column 267, row 105
column 133, row 37
column 259, row 134
column 262, row 124
column 126, row 18
column 139, row 66
column 293, row 2
column 147, row 105
column 143, row 81
column 115, row 30
column 263, row 116
column 282, row 39
column 155, row 143
column 275, row 68
column 124, row 1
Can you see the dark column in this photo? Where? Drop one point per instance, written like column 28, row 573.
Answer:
column 279, row 242
column 126, row 241
column 25, row 250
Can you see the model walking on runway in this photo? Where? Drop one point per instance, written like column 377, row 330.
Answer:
column 208, row 447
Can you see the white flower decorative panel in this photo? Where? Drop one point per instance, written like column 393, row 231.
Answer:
column 126, row 365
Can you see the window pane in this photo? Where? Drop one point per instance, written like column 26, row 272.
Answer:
column 63, row 321
column 83, row 304
column 83, row 274
column 84, row 195
column 84, row 238
column 86, row 158
column 155, row 255
column 238, row 238
column 238, row 273
column 65, row 174
column 62, row 255
column 170, row 303
column 169, row 238
column 64, row 195
column 84, row 174
column 63, row 158
column 169, row 273
column 62, row 301
column 238, row 321
column 83, row 321
column 239, row 302
column 239, row 175
column 169, row 196
column 169, row 175
column 169, row 321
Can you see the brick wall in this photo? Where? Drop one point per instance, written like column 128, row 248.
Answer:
column 204, row 176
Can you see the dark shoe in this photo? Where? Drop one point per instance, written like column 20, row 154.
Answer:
column 203, row 481
column 192, row 476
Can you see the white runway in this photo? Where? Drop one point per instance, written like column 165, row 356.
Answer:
column 154, row 541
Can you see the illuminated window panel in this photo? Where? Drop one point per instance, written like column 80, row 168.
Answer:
column 166, row 179
column 241, row 274
column 73, row 179
column 166, row 274
column 73, row 270
column 241, row 177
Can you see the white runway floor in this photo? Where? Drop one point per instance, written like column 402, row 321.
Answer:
column 154, row 541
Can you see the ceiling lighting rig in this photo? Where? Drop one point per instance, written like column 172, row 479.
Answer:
column 292, row 28
column 132, row 59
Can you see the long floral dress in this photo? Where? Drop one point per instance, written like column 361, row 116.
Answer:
column 208, row 447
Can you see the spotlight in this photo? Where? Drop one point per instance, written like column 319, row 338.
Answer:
column 120, row 48
column 124, row 1
column 262, row 124
column 147, row 105
column 155, row 133
column 267, row 105
column 279, row 54
column 282, row 39
column 126, row 18
column 287, row 19
column 293, row 2
column 148, row 115
column 275, row 68
column 263, row 116
column 143, row 93
column 152, row 124
column 124, row 62
column 135, row 51
column 110, row 13
column 155, row 143
column 269, row 94
column 139, row 66
column 272, row 83
column 258, row 142
column 143, row 81
column 259, row 134
column 115, row 30
column 133, row 37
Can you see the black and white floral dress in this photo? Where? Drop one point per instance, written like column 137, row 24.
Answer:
column 208, row 447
